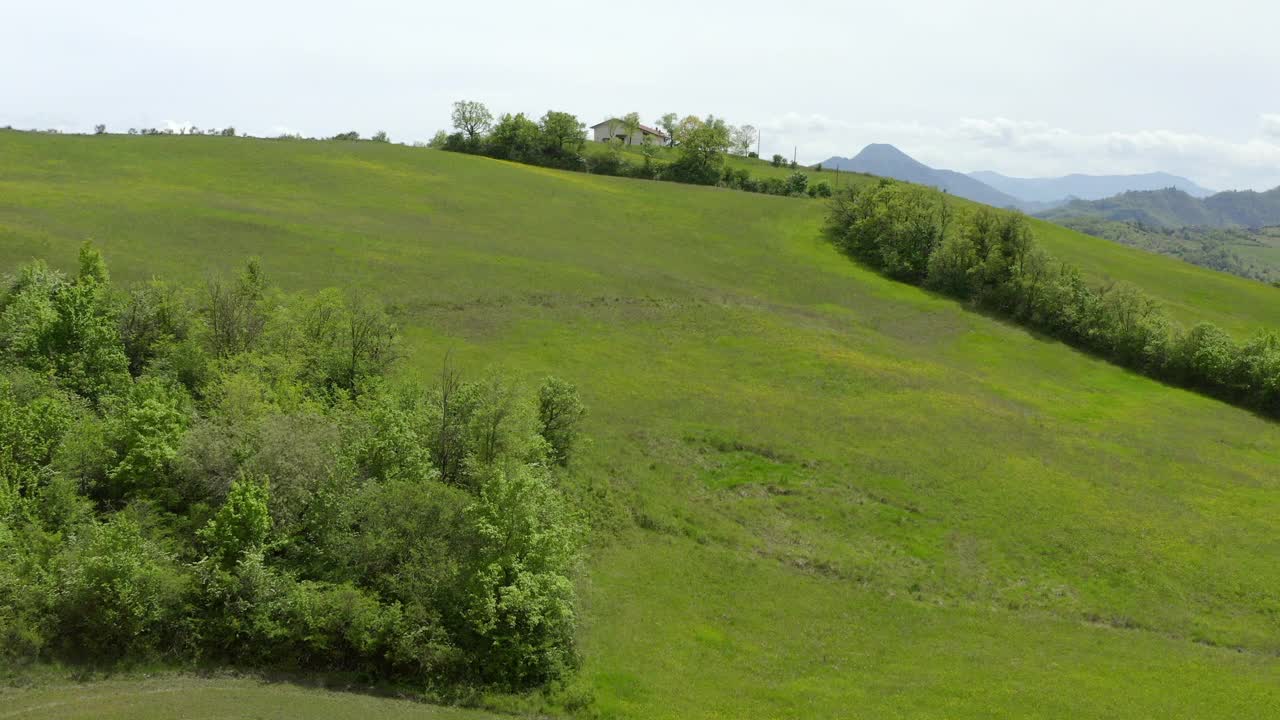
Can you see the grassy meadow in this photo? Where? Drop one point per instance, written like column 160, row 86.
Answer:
column 815, row 492
column 192, row 698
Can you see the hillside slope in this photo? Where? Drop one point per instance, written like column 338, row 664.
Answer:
column 816, row 492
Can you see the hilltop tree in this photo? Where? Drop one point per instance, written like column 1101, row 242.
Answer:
column 668, row 124
column 702, row 145
column 472, row 118
column 515, row 137
column 561, row 129
column 743, row 138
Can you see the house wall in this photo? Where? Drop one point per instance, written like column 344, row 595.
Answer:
column 604, row 132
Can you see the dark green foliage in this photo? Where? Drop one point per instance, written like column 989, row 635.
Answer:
column 116, row 593
column 893, row 226
column 701, row 152
column 235, row 312
column 515, row 137
column 562, row 131
column 992, row 259
column 284, row 505
column 797, row 183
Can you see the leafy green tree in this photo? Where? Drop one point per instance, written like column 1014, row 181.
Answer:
column 670, row 125
column 1209, row 355
column 236, row 313
column 514, row 137
column 117, row 594
column 471, row 118
column 701, row 152
column 519, row 602
column 381, row 137
column 797, row 183
column 155, row 320
column 242, row 525
column 560, row 410
column 341, row 342
column 386, row 437
column 503, row 424
column 893, row 226
column 146, row 427
column 66, row 327
column 562, row 131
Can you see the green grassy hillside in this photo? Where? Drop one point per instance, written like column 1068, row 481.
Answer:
column 817, row 492
column 194, row 698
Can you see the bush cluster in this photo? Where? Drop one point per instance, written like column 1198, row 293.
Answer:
column 991, row 258
column 226, row 475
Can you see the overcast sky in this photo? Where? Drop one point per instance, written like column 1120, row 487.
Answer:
column 1024, row 88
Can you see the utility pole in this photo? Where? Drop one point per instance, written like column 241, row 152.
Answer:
column 758, row 136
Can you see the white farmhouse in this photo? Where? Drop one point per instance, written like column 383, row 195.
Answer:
column 615, row 128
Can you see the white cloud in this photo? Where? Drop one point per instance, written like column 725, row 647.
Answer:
column 1031, row 148
column 1271, row 125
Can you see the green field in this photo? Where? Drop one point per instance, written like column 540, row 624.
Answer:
column 193, row 698
column 817, row 492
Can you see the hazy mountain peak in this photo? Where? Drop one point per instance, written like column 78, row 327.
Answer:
column 888, row 161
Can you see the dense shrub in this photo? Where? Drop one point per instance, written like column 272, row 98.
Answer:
column 227, row 475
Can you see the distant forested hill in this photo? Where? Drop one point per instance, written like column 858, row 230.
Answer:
column 1248, row 252
column 1173, row 208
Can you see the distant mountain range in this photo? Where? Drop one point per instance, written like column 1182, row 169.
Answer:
column 889, row 161
column 1029, row 194
column 1085, row 187
column 1171, row 208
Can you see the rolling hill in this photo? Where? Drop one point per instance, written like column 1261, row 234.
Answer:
column 814, row 492
column 1084, row 187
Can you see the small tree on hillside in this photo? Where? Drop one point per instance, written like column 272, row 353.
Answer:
column 743, row 138
column 559, row 411
column 471, row 118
